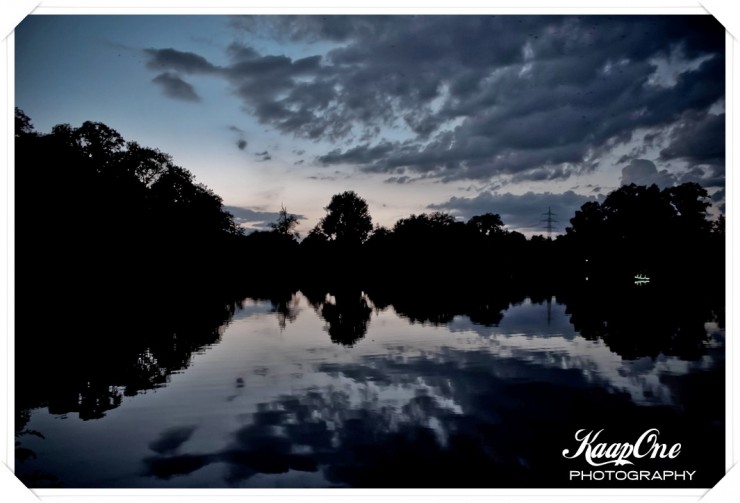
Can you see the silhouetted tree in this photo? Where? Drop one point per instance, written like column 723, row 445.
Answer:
column 641, row 230
column 718, row 226
column 425, row 224
column 285, row 224
column 315, row 237
column 488, row 224
column 380, row 232
column 347, row 219
column 424, row 246
column 98, row 142
column 144, row 164
column 117, row 214
column 315, row 252
column 378, row 248
column 23, row 125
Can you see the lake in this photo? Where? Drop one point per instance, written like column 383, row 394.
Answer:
column 348, row 390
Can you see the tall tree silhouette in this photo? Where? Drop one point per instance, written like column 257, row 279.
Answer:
column 347, row 221
column 488, row 224
column 286, row 224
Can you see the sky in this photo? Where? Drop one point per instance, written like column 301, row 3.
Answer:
column 512, row 115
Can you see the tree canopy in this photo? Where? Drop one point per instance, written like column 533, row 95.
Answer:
column 122, row 211
column 488, row 224
column 285, row 224
column 347, row 220
column 643, row 230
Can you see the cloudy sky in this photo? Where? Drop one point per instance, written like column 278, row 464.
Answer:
column 465, row 114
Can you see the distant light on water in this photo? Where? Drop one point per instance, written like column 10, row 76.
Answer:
column 641, row 279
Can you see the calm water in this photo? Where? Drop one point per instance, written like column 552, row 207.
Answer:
column 344, row 393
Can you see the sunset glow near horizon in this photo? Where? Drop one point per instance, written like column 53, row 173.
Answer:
column 463, row 114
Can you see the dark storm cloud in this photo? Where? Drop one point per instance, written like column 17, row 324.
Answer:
column 715, row 176
column 531, row 97
column 700, row 139
column 518, row 211
column 719, row 200
column 174, row 87
column 172, row 59
column 361, row 154
column 397, row 179
column 542, row 174
column 708, row 176
column 540, row 94
column 310, row 28
column 272, row 87
column 718, row 196
column 644, row 172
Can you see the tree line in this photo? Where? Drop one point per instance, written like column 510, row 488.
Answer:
column 94, row 210
column 664, row 235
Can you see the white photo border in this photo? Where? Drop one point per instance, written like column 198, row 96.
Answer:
column 15, row 10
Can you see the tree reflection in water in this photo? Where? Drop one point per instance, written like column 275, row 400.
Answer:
column 459, row 418
column 97, row 374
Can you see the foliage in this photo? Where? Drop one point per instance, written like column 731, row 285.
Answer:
column 488, row 224
column 644, row 230
column 114, row 212
column 347, row 220
column 23, row 125
column 424, row 223
column 285, row 224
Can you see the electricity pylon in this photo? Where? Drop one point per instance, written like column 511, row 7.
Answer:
column 549, row 221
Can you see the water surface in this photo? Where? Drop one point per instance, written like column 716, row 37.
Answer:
column 337, row 391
